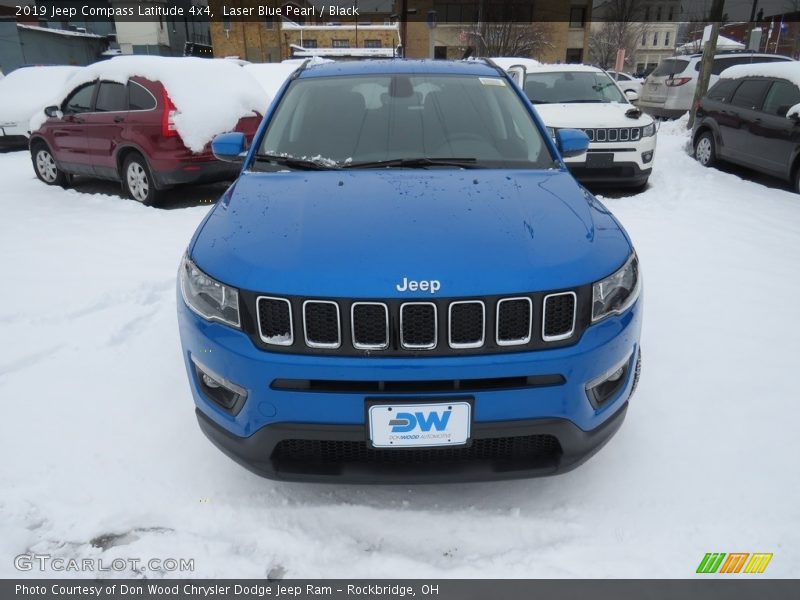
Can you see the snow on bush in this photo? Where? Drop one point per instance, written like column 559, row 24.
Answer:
column 211, row 95
column 27, row 90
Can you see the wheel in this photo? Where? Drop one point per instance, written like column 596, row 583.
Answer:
column 137, row 180
column 45, row 166
column 705, row 150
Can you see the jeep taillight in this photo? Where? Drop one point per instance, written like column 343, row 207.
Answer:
column 168, row 118
column 676, row 81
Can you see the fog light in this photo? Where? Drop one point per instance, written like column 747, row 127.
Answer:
column 227, row 394
column 647, row 156
column 605, row 387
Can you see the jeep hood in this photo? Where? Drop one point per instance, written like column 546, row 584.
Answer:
column 589, row 115
column 359, row 233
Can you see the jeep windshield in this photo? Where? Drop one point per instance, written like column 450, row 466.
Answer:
column 430, row 121
column 571, row 86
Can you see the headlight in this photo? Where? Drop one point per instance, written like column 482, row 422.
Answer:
column 649, row 130
column 208, row 297
column 617, row 292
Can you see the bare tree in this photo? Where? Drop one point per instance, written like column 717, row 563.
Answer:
column 621, row 25
column 508, row 38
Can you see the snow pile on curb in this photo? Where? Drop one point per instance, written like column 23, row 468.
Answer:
column 210, row 95
column 27, row 90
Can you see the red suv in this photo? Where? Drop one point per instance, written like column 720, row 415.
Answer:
column 125, row 133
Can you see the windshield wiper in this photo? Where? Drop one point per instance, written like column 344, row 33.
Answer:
column 465, row 163
column 308, row 164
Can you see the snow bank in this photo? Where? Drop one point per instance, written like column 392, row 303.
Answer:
column 211, row 95
column 27, row 90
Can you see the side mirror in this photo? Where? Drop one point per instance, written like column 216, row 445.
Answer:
column 229, row 147
column 571, row 142
column 53, row 112
column 517, row 73
column 631, row 95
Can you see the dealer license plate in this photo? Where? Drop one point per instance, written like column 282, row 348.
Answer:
column 432, row 424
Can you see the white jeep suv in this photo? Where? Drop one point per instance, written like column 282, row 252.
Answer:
column 622, row 140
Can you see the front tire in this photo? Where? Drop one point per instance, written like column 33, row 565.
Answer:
column 137, row 180
column 45, row 166
column 705, row 150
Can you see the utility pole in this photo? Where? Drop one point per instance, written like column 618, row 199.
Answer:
column 404, row 27
column 709, row 50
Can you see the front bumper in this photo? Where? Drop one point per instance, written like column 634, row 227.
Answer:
column 625, row 174
column 258, row 452
column 332, row 422
column 621, row 164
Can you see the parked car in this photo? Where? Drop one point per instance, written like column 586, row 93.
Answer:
column 668, row 91
column 622, row 140
column 23, row 92
column 751, row 117
column 127, row 128
column 403, row 285
column 627, row 83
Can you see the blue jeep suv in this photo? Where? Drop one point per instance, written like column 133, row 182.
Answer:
column 405, row 284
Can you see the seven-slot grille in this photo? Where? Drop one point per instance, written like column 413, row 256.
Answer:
column 440, row 326
column 614, row 134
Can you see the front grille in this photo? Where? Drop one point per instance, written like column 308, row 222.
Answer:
column 521, row 449
column 370, row 325
column 514, row 317
column 435, row 327
column 275, row 320
column 558, row 321
column 467, row 324
column 321, row 321
column 418, row 325
column 614, row 134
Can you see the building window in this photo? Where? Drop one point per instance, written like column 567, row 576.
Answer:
column 646, row 13
column 341, row 43
column 372, row 44
column 574, row 55
column 658, row 13
column 671, row 12
column 666, row 38
column 309, row 43
column 440, row 52
column 577, row 17
column 655, row 38
column 644, row 39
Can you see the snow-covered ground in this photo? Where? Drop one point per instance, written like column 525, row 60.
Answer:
column 98, row 437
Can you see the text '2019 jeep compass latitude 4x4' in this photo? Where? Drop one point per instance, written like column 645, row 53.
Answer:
column 406, row 284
